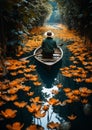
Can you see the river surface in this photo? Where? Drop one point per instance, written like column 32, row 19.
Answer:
column 49, row 80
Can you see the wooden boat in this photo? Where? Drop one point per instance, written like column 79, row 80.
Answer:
column 57, row 56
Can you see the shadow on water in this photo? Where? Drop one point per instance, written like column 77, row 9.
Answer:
column 48, row 75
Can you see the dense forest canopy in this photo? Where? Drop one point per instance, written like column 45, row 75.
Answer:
column 77, row 14
column 19, row 16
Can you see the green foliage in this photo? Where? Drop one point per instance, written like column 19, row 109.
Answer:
column 17, row 16
column 77, row 14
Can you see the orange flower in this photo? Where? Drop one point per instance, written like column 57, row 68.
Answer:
column 88, row 80
column 20, row 72
column 66, row 90
column 15, row 126
column 72, row 58
column 39, row 114
column 78, row 80
column 84, row 91
column 20, row 104
column 76, row 92
column 1, row 103
column 12, row 90
column 4, row 86
column 13, row 73
column 9, row 98
column 59, row 85
column 84, row 101
column 32, row 67
column 36, row 100
column 34, row 78
column 45, row 107
column 75, row 62
column 26, row 88
column 53, row 101
column 27, row 76
column 27, row 70
column 53, row 125
column 9, row 113
column 68, row 101
column 30, row 94
column 72, row 117
column 72, row 66
column 33, row 108
column 35, row 127
column 37, row 83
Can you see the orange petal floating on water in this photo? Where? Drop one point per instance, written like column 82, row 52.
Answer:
column 32, row 67
column 36, row 100
column 72, row 97
column 2, row 103
column 53, row 125
column 59, row 85
column 40, row 114
column 72, row 117
column 32, row 127
column 27, row 75
column 53, row 101
column 26, row 88
column 35, row 127
column 68, row 101
column 12, row 90
column 84, row 101
column 4, row 86
column 85, row 91
column 15, row 126
column 20, row 104
column 13, row 73
column 88, row 80
column 27, row 70
column 75, row 62
column 45, row 107
column 9, row 113
column 34, row 78
column 72, row 66
column 30, row 93
column 20, row 72
column 76, row 92
column 72, row 58
column 66, row 90
column 78, row 80
column 37, row 83
column 9, row 98
column 33, row 108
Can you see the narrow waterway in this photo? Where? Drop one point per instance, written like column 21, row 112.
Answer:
column 54, row 18
column 65, row 110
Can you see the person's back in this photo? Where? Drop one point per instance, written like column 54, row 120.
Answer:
column 48, row 45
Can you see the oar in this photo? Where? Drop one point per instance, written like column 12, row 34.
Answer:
column 61, row 44
column 22, row 59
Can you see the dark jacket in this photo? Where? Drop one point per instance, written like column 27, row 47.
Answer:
column 48, row 45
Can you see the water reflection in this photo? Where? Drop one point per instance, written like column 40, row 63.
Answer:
column 48, row 76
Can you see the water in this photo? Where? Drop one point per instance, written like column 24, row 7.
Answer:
column 59, row 113
column 55, row 17
column 50, row 79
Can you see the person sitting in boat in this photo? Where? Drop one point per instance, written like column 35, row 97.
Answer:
column 48, row 45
